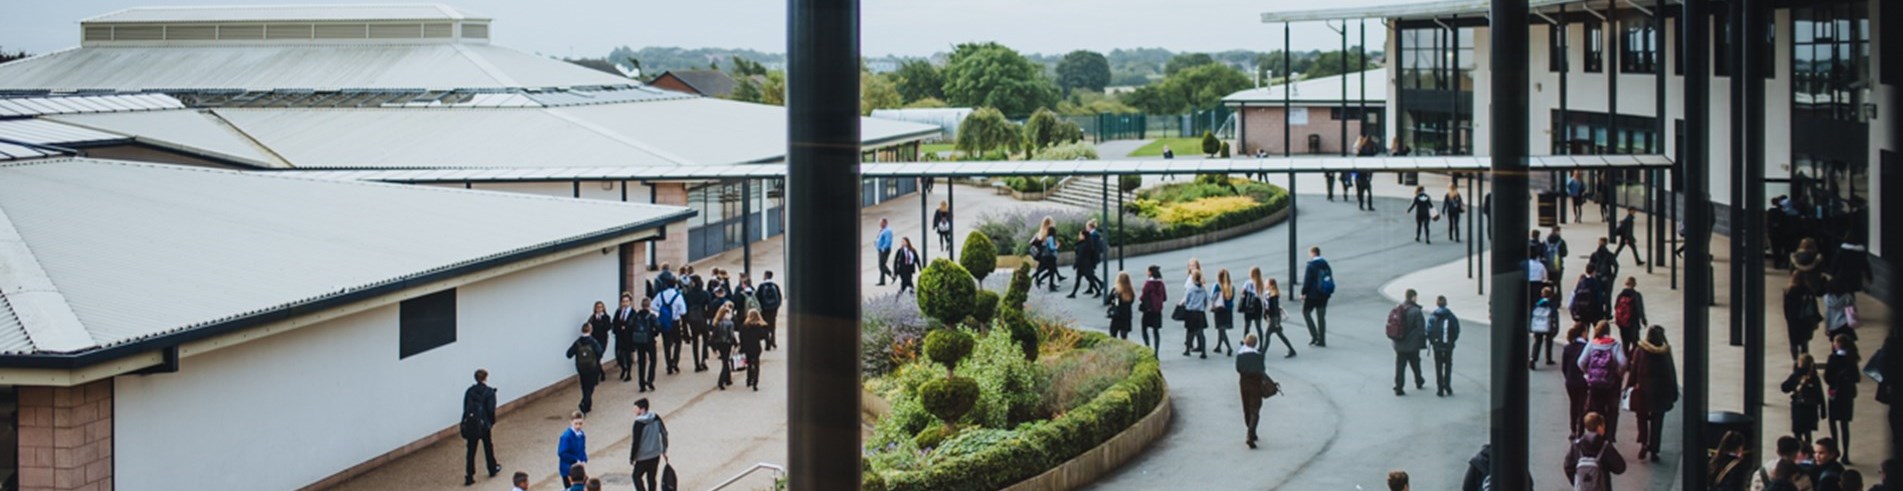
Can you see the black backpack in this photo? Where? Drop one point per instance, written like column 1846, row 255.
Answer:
column 769, row 295
column 587, row 358
column 474, row 425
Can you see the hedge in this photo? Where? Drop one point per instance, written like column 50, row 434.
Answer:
column 1011, row 230
column 1041, row 446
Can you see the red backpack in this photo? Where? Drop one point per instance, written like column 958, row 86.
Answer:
column 1622, row 312
column 1397, row 322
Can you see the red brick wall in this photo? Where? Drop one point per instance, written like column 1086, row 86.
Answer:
column 672, row 251
column 1262, row 128
column 667, row 81
column 66, row 437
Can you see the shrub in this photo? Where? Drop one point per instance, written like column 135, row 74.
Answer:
column 948, row 346
column 1032, row 184
column 1210, row 143
column 870, row 481
column 1073, row 151
column 1019, row 291
column 945, row 291
column 1224, row 153
column 948, row 398
column 1200, row 212
column 890, row 334
column 980, row 256
column 907, row 418
column 1025, row 334
column 931, row 436
column 971, row 441
column 1011, row 388
column 1080, row 376
column 1129, row 183
column 985, row 308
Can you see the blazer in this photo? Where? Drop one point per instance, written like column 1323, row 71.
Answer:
column 1311, row 277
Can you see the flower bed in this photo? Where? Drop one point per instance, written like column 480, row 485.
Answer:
column 1166, row 212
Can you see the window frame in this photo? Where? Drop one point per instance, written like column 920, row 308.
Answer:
column 426, row 323
column 1558, row 47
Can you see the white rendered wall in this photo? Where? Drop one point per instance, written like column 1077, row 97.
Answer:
column 291, row 409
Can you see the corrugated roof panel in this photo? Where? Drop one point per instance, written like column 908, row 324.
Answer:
column 13, row 337
column 281, row 13
column 9, row 151
column 44, row 132
column 204, row 235
column 185, row 128
column 680, row 126
column 39, row 106
column 270, row 67
column 433, row 138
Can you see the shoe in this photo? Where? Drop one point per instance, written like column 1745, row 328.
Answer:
column 1450, row 392
column 1205, row 356
column 1655, row 456
column 1533, row 365
column 1399, row 392
column 495, row 470
column 1073, row 295
column 469, row 480
column 1186, row 353
column 1251, row 444
column 882, row 283
column 1291, row 354
column 1420, row 386
column 1549, row 363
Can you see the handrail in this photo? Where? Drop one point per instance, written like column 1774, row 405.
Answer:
column 777, row 472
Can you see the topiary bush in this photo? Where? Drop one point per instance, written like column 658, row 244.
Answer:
column 1225, row 150
column 932, row 436
column 980, row 256
column 1210, row 143
column 949, row 398
column 948, row 346
column 985, row 309
column 945, row 292
column 1129, row 183
column 1019, row 291
column 1021, row 329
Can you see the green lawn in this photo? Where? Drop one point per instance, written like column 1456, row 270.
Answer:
column 1184, row 147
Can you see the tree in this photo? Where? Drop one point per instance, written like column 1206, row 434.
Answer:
column 1041, row 130
column 1194, row 88
column 743, row 67
column 745, row 90
column 926, row 103
column 774, row 90
column 980, row 256
column 1083, row 70
column 1186, row 61
column 876, row 92
column 1329, row 64
column 984, row 130
column 1086, row 103
column 1210, row 143
column 919, row 80
column 991, row 75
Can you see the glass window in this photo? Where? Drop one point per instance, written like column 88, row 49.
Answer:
column 1830, row 61
column 426, row 323
column 1557, row 48
column 1638, row 46
column 1595, row 47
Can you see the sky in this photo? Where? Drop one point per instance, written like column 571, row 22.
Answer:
column 590, row 28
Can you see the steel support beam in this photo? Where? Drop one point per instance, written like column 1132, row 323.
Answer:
column 823, row 427
column 1104, row 221
column 1288, row 150
column 1509, row 153
column 746, row 228
column 924, row 224
column 1697, row 323
column 951, row 207
column 1751, row 234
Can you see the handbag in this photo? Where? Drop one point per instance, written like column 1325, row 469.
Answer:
column 1269, row 387
column 739, row 361
column 1625, row 399
column 1180, row 314
column 1850, row 316
column 669, row 481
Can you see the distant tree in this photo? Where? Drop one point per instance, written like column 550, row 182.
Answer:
column 876, row 92
column 1210, row 144
column 991, row 75
column 1041, row 130
column 1328, row 63
column 920, row 80
column 985, row 130
column 746, row 90
column 1186, row 61
column 1199, row 87
column 6, row 56
column 1082, row 69
column 926, row 103
column 1086, row 103
column 743, row 67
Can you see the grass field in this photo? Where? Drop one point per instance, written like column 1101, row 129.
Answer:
column 1182, row 146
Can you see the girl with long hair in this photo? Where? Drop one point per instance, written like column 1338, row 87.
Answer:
column 1120, row 301
column 1807, row 397
column 1841, row 377
column 1272, row 308
column 1223, row 305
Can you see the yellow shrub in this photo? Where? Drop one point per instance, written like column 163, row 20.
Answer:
column 1196, row 213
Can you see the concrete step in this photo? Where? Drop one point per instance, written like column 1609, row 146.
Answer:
column 1085, row 192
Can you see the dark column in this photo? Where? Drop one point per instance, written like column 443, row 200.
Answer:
column 823, row 243
column 1119, row 235
column 1752, row 233
column 1565, row 127
column 1102, row 264
column 1485, row 236
column 925, row 234
column 1288, row 150
column 1697, row 40
column 1453, row 78
column 951, row 205
column 1344, row 92
column 1361, row 54
column 1509, row 114
column 1737, row 141
column 1612, row 63
column 1658, row 132
column 746, row 227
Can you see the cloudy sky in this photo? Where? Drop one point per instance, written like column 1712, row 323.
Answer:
column 903, row 27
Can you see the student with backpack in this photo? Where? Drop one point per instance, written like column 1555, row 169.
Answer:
column 1443, row 330
column 479, row 417
column 1251, row 304
column 1628, row 312
column 1586, row 305
column 1318, row 284
column 1480, row 471
column 1800, row 315
column 770, row 301
column 642, row 331
column 695, row 317
column 1593, row 459
column 669, row 305
column 1604, row 363
column 1407, row 329
column 1423, row 209
column 587, row 355
column 722, row 339
column 1543, row 325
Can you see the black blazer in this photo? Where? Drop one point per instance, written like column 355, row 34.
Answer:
column 481, row 400
column 624, row 326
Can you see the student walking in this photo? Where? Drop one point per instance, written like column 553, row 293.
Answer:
column 1587, row 306
column 1423, row 208
column 1155, row 294
column 1841, row 376
column 1626, row 236
column 1555, row 255
column 722, row 339
column 1044, row 249
column 1195, row 308
column 1807, row 397
column 670, row 305
column 572, row 448
column 649, row 446
column 1084, row 266
column 1536, row 276
column 1407, row 329
column 642, row 331
column 1121, row 299
column 770, row 301
column 1653, row 385
column 1272, row 309
column 1452, row 206
column 883, row 244
column 1364, row 189
column 1593, row 459
column 1250, row 304
column 479, row 418
column 1574, row 377
column 1576, row 193
column 1222, row 306
column 752, row 341
column 1253, row 378
column 1800, row 314
column 1628, row 312
column 906, row 264
column 1727, row 468
column 602, row 328
column 942, row 223
column 587, row 355
column 622, row 324
column 1328, row 177
column 1604, row 363
column 1318, row 283
column 1443, row 330
column 696, row 316
column 1544, row 324
column 1807, row 265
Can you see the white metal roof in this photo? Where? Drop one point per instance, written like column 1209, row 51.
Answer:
column 45, row 132
column 267, row 67
column 1319, row 91
column 1402, row 10
column 282, row 13
column 184, row 130
column 996, row 168
column 99, row 253
column 81, row 104
column 9, row 151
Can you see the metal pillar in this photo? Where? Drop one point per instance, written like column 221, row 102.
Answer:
column 823, row 442
column 746, row 228
column 1102, row 264
column 1612, row 40
column 1751, row 234
column 1361, row 53
column 1120, row 214
column 1287, row 150
column 1658, row 133
column 1509, row 395
column 1344, row 91
column 1486, row 235
column 1565, row 67
column 1470, row 227
column 1737, row 139
column 951, row 208
column 1651, row 216
column 1453, row 77
column 924, row 224
column 1697, row 41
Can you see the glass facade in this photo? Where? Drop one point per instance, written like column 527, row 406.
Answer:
column 1437, row 83
column 1595, row 59
column 1638, row 46
column 1589, row 134
column 1830, row 61
column 1830, row 85
column 1558, row 48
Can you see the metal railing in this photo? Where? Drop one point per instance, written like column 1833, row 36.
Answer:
column 778, row 472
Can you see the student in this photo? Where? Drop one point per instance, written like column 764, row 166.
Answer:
column 1423, row 208
column 1452, row 206
column 1272, row 308
column 623, row 326
column 1536, row 276
column 1364, row 189
column 722, row 339
column 1196, row 307
column 479, row 418
column 1807, row 265
column 1800, row 314
column 1084, row 266
column 1253, row 377
column 572, row 449
column 1604, row 364
column 602, row 327
column 649, row 446
column 1167, row 153
column 1829, row 471
column 587, row 355
column 576, row 479
column 1443, row 330
column 942, row 223
column 1328, row 178
column 1556, row 254
column 1251, row 303
column 1397, row 481
column 1807, row 397
column 1727, row 468
column 1544, row 323
column 1318, row 283
column 1593, row 456
column 642, row 331
column 770, row 301
column 1841, row 376
column 1576, row 192
column 884, row 246
column 906, row 264
column 1121, row 298
column 1575, row 379
column 1628, row 312
column 1155, row 294
column 1787, row 450
column 1480, row 471
column 1100, row 252
column 752, row 340
column 1222, row 306
column 1587, row 306
column 520, row 481
column 594, row 484
column 670, row 307
column 1653, row 385
column 1626, row 238
column 696, row 316
column 1407, row 348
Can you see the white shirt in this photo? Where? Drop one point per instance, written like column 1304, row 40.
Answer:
column 1535, row 271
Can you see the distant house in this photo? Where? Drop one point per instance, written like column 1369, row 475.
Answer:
column 710, row 83
column 1315, row 119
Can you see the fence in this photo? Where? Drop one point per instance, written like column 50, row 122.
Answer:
column 1112, row 126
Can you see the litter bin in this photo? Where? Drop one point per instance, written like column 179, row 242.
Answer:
column 1717, row 423
column 1549, row 209
column 1410, row 178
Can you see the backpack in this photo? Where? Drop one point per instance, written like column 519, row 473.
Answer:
column 769, row 294
column 1542, row 320
column 1251, row 304
column 473, row 425
column 666, row 317
column 642, row 329
column 586, row 359
column 1327, row 280
column 723, row 333
column 1397, row 322
column 752, row 303
column 1587, row 474
column 1585, row 298
column 1622, row 312
column 1601, row 373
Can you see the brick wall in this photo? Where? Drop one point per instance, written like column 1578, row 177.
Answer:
column 66, row 437
column 672, row 251
column 1262, row 128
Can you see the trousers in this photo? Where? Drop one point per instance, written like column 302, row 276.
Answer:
column 644, row 363
column 1315, row 313
column 488, row 454
column 1443, row 368
column 1403, row 360
column 645, row 473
